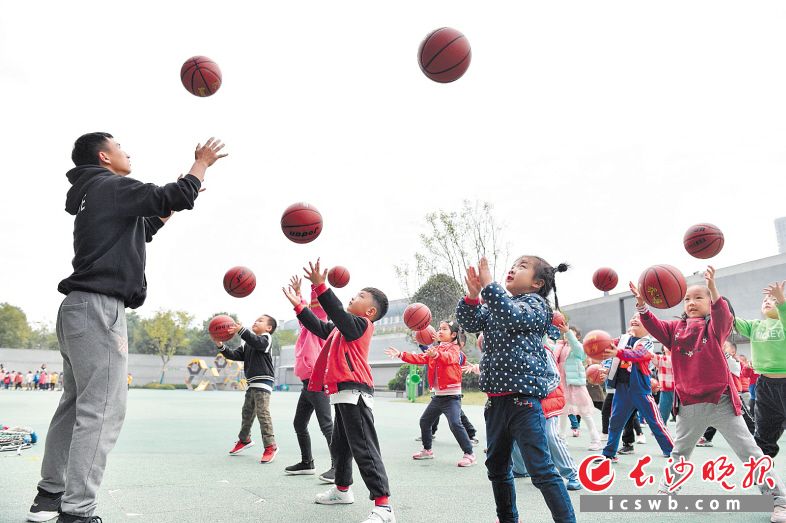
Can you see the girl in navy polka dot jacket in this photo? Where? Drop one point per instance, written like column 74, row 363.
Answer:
column 515, row 374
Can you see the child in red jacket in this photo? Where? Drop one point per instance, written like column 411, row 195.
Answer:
column 342, row 371
column 444, row 375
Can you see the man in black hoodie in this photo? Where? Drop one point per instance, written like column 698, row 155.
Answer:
column 114, row 216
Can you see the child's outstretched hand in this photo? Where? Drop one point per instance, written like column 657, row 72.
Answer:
column 315, row 274
column 294, row 284
column 473, row 283
column 393, row 352
column 709, row 277
column 636, row 294
column 484, row 273
column 431, row 352
column 293, row 298
column 234, row 328
column 471, row 368
column 776, row 291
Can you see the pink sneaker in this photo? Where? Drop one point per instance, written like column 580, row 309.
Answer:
column 423, row 454
column 467, row 461
column 576, row 433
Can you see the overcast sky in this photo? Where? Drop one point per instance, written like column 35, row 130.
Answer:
column 599, row 130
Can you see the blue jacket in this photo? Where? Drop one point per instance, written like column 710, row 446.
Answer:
column 514, row 359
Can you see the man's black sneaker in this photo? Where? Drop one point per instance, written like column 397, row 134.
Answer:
column 45, row 506
column 627, row 449
column 301, row 469
column 329, row 476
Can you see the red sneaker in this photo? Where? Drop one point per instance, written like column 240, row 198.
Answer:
column 239, row 446
column 269, row 454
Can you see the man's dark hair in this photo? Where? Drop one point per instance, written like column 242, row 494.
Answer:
column 380, row 300
column 87, row 147
column 272, row 322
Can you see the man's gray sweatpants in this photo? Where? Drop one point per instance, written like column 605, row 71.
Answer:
column 91, row 329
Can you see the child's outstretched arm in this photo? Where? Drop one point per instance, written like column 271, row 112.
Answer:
column 262, row 342
column 721, row 319
column 230, row 354
column 663, row 331
column 515, row 314
column 471, row 315
column 407, row 357
column 350, row 326
column 307, row 318
column 776, row 290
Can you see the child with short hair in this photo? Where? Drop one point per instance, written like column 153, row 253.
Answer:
column 768, row 358
column 444, row 374
column 255, row 353
column 704, row 387
column 630, row 377
column 516, row 374
column 343, row 372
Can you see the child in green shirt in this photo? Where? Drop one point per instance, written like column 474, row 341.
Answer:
column 768, row 351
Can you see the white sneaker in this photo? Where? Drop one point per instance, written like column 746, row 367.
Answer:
column 333, row 496
column 641, row 439
column 380, row 515
column 596, row 445
column 778, row 514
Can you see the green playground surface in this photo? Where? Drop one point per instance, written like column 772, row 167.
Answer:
column 171, row 464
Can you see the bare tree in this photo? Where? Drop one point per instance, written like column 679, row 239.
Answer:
column 454, row 241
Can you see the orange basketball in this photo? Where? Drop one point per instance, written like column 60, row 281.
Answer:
column 301, row 222
column 417, row 316
column 426, row 336
column 596, row 342
column 200, row 76
column 662, row 286
column 557, row 319
column 444, row 55
column 239, row 281
column 703, row 240
column 595, row 374
column 605, row 279
column 218, row 327
column 338, row 277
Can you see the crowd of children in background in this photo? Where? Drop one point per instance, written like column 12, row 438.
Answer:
column 38, row 380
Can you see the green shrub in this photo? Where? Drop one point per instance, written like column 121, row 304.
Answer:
column 159, row 386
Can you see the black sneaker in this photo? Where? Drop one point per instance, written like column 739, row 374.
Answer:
column 328, row 476
column 68, row 518
column 301, row 469
column 45, row 506
column 626, row 449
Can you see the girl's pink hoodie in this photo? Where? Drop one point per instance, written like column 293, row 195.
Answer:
column 308, row 345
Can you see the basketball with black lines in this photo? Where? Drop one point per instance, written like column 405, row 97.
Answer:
column 703, row 240
column 595, row 343
column 444, row 55
column 219, row 326
column 417, row 316
column 200, row 76
column 338, row 276
column 662, row 286
column 239, row 281
column 605, row 279
column 301, row 223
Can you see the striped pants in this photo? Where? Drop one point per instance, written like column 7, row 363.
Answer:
column 625, row 402
column 559, row 453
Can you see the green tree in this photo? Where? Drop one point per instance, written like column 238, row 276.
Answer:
column 43, row 337
column 166, row 333
column 14, row 330
column 440, row 294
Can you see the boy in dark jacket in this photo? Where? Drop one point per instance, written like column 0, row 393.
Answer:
column 255, row 353
column 343, row 372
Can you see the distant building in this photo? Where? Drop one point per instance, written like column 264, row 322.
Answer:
column 741, row 284
column 780, row 232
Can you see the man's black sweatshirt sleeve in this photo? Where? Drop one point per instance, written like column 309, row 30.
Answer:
column 351, row 326
column 134, row 198
column 233, row 354
column 314, row 324
column 152, row 226
column 255, row 342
